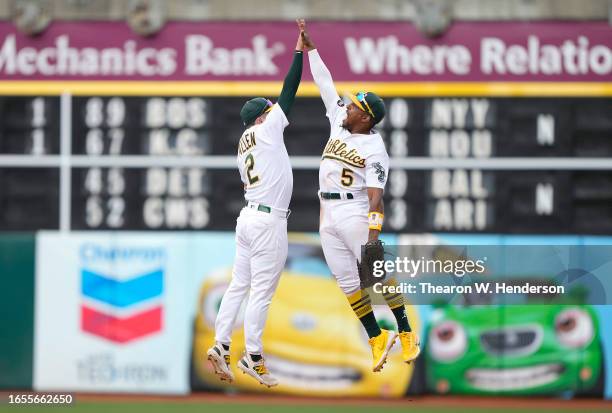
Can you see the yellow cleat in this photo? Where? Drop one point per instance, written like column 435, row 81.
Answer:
column 381, row 345
column 410, row 346
column 257, row 370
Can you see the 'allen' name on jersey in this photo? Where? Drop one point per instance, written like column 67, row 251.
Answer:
column 338, row 150
column 247, row 142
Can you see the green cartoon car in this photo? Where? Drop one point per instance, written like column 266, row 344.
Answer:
column 514, row 350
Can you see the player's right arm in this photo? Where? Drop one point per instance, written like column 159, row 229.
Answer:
column 276, row 121
column 320, row 73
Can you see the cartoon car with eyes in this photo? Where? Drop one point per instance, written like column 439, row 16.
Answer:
column 514, row 350
column 313, row 342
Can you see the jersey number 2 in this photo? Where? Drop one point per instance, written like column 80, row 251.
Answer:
column 347, row 177
column 250, row 164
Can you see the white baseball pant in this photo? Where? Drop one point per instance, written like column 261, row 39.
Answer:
column 261, row 252
column 344, row 229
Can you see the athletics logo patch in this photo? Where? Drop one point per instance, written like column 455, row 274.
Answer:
column 380, row 171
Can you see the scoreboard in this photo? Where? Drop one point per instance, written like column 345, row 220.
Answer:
column 458, row 164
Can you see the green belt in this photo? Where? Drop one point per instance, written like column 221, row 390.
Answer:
column 262, row 208
column 335, row 195
column 268, row 210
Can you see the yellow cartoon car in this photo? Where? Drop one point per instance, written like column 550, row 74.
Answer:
column 313, row 342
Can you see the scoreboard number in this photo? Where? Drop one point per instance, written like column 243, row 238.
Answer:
column 38, row 122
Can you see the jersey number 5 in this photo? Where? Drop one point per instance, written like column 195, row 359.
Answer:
column 347, row 177
column 250, row 164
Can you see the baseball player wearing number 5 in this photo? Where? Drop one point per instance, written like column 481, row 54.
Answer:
column 352, row 177
column 261, row 229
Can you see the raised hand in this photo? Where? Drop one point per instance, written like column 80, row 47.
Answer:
column 300, row 42
column 306, row 40
column 301, row 24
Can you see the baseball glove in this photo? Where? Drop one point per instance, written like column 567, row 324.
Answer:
column 372, row 251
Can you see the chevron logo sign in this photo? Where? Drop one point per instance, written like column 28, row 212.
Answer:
column 122, row 291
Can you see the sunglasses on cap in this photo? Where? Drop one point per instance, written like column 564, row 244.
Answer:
column 360, row 100
column 269, row 105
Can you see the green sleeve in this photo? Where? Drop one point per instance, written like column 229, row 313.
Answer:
column 291, row 83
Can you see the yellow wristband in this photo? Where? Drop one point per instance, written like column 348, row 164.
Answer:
column 375, row 220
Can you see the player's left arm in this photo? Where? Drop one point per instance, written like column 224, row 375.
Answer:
column 376, row 212
column 377, row 171
column 277, row 121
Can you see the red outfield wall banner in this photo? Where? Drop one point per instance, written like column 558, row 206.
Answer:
column 362, row 51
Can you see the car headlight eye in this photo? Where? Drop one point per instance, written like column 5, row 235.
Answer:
column 447, row 341
column 574, row 328
column 567, row 325
column 446, row 334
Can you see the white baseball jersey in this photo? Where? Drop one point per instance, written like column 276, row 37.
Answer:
column 261, row 237
column 264, row 164
column 350, row 162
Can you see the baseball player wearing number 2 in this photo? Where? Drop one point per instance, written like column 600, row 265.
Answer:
column 261, row 229
column 352, row 177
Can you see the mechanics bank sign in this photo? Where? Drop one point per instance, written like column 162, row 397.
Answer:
column 376, row 51
column 122, row 290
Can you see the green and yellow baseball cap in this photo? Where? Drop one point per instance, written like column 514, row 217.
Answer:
column 253, row 109
column 371, row 104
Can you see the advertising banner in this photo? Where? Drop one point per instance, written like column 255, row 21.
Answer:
column 357, row 51
column 134, row 312
column 313, row 342
column 520, row 342
column 110, row 313
column 508, row 345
